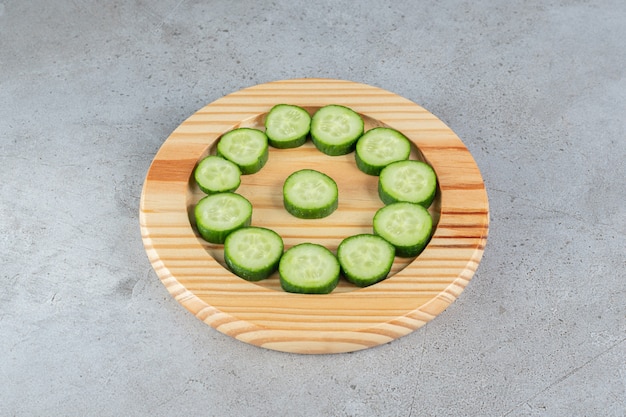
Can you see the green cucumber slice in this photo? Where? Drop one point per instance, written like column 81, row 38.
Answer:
column 335, row 129
column 287, row 126
column 379, row 147
column 410, row 181
column 310, row 194
column 308, row 268
column 365, row 259
column 407, row 226
column 215, row 174
column 246, row 147
column 253, row 253
column 217, row 215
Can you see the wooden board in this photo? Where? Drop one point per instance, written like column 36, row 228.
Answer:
column 350, row 318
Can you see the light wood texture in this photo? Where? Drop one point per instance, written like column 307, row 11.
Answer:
column 350, row 318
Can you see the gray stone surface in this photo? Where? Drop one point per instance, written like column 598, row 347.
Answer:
column 90, row 90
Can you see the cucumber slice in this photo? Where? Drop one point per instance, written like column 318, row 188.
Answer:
column 365, row 259
column 215, row 174
column 407, row 226
column 335, row 129
column 379, row 147
column 245, row 147
column 310, row 194
column 253, row 253
column 308, row 268
column 217, row 215
column 410, row 181
column 287, row 126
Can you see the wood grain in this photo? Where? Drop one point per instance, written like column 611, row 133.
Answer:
column 350, row 318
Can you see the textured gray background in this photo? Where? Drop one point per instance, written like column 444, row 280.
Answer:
column 90, row 90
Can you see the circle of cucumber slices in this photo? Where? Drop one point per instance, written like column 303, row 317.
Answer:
column 401, row 228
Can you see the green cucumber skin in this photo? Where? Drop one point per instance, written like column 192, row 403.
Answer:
column 287, row 281
column 246, row 273
column 250, row 276
column 219, row 236
column 388, row 197
column 365, row 167
column 249, row 169
column 334, row 150
column 373, row 277
column 310, row 214
column 293, row 141
column 411, row 249
column 287, row 287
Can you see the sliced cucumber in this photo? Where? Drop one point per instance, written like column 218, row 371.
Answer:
column 246, row 147
column 253, row 253
column 410, row 181
column 379, row 147
column 217, row 215
column 308, row 268
column 215, row 174
column 407, row 226
column 310, row 194
column 365, row 259
column 335, row 129
column 287, row 126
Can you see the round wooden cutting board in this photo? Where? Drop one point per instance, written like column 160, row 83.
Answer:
column 349, row 318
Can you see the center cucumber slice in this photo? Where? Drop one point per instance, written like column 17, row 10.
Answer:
column 335, row 129
column 309, row 268
column 246, row 147
column 287, row 126
column 407, row 226
column 218, row 215
column 253, row 253
column 310, row 194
